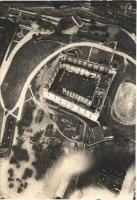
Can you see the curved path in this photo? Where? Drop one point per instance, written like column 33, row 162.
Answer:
column 51, row 56
column 6, row 63
column 5, row 67
column 20, row 102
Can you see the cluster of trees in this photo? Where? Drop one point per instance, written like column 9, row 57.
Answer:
column 117, row 7
column 21, row 186
column 19, row 154
column 27, row 173
column 11, row 177
column 28, row 114
column 45, row 157
column 36, row 137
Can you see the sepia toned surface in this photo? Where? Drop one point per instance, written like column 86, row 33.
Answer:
column 67, row 100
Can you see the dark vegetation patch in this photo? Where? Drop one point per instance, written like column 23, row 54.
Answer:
column 19, row 154
column 20, row 129
column 22, row 184
column 11, row 185
column 27, row 173
column 27, row 117
column 11, row 177
column 125, row 43
column 10, row 171
column 46, row 157
column 36, row 137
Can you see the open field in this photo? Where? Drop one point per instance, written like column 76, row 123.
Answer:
column 26, row 59
column 7, row 30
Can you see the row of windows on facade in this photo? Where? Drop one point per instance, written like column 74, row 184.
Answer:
column 84, row 63
column 77, row 97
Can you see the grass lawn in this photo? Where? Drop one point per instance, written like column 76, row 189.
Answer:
column 26, row 59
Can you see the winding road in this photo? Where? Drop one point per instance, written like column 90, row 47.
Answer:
column 6, row 64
